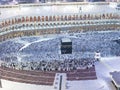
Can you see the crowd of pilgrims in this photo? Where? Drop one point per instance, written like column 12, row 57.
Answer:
column 53, row 65
column 46, row 51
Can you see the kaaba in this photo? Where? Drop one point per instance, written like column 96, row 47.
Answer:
column 66, row 46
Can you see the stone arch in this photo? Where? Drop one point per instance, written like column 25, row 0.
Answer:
column 65, row 23
column 23, row 25
column 38, row 24
column 27, row 19
column 69, row 23
column 19, row 20
column 58, row 18
column 58, row 23
column 13, row 21
column 6, row 29
column 35, row 19
column 50, row 18
column 69, row 17
column 46, row 18
column 6, row 23
column 65, row 18
column 31, row 19
column 73, row 17
column 31, row 25
column 61, row 17
column 54, row 23
column 50, row 24
column 13, row 27
column 111, row 15
column 39, row 18
column 76, row 17
column 107, row 15
column 16, row 21
column 23, row 19
column 84, row 16
column 43, row 18
column 27, row 25
column 103, row 15
column 80, row 17
column 9, row 21
column 54, row 18
column 46, row 24
column 62, row 23
column 73, row 23
column 3, row 24
column 91, row 16
column 77, row 23
column 16, row 26
column 43, row 24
